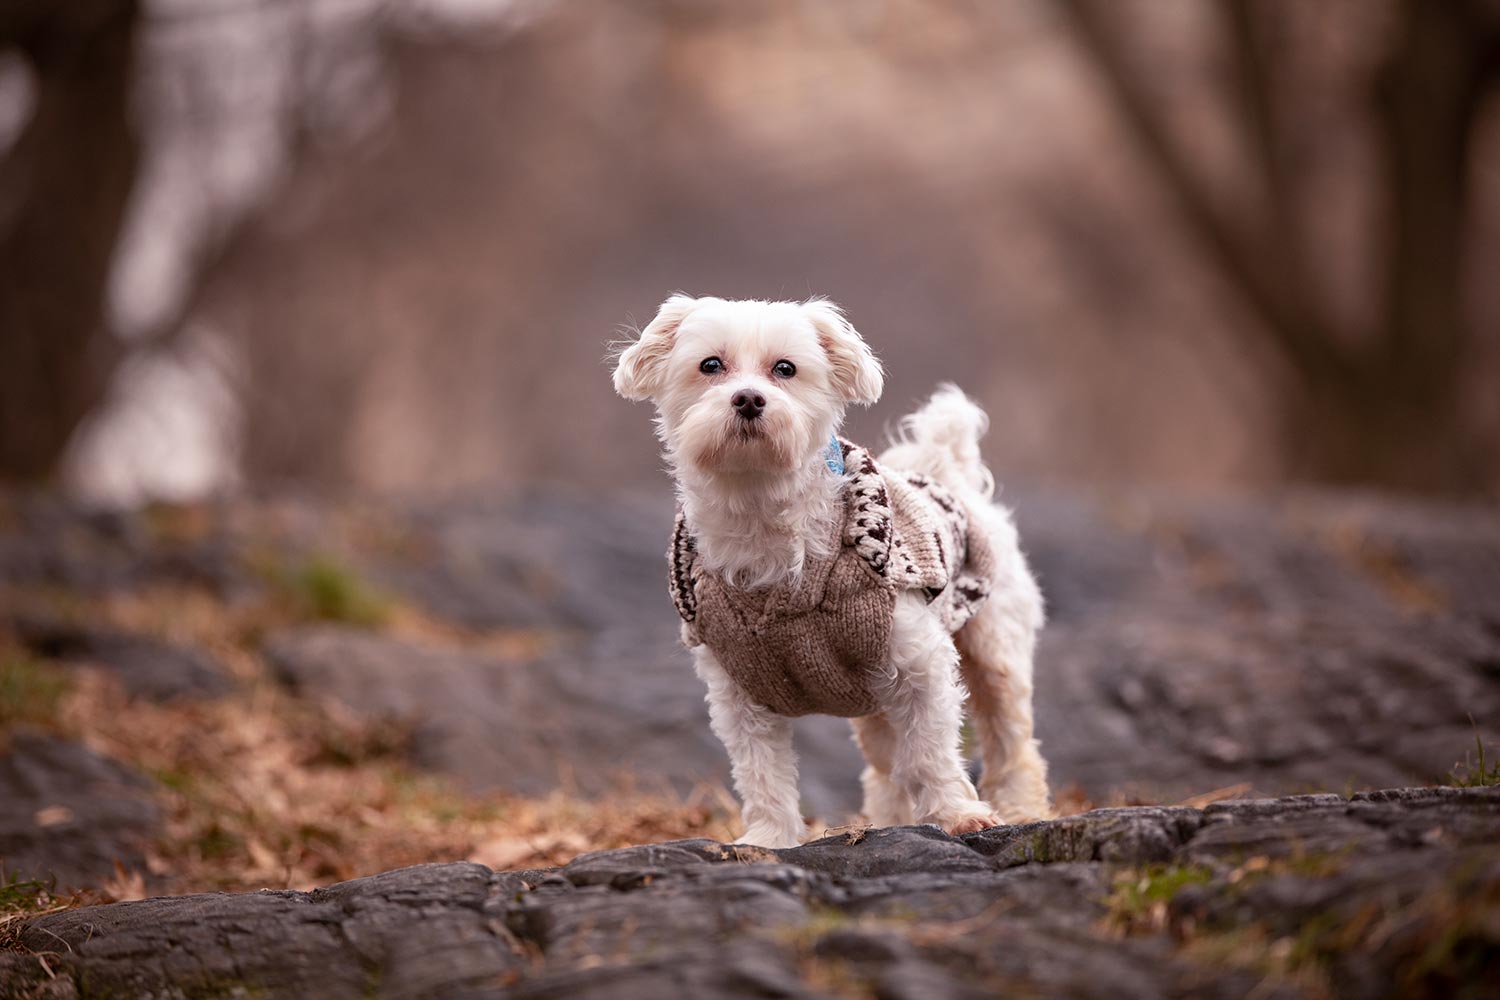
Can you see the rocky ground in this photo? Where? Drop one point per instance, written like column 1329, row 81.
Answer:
column 1385, row 894
column 287, row 693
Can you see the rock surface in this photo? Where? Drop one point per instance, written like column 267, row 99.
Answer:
column 1316, row 643
column 614, row 684
column 612, row 710
column 68, row 813
column 147, row 667
column 1312, row 643
column 1385, row 894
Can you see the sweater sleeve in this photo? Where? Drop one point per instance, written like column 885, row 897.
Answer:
column 680, row 559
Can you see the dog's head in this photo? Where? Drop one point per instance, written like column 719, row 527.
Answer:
column 748, row 387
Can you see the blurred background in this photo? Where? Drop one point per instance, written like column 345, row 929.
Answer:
column 381, row 245
column 326, row 547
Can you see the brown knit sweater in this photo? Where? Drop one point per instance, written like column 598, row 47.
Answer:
column 811, row 645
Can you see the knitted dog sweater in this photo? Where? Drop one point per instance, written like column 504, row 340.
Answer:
column 813, row 644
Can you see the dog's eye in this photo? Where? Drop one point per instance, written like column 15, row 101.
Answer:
column 710, row 366
column 784, row 368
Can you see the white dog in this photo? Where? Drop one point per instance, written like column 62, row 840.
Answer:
column 813, row 578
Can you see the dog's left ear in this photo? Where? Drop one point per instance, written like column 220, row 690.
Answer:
column 856, row 373
column 641, row 369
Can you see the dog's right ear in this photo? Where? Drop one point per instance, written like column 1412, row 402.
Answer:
column 641, row 368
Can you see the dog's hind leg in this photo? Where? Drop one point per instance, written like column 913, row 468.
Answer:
column 996, row 648
column 885, row 804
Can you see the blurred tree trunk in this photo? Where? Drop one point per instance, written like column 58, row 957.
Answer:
column 1384, row 406
column 64, row 187
column 1445, row 58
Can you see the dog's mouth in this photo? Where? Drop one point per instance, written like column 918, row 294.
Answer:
column 725, row 442
column 741, row 447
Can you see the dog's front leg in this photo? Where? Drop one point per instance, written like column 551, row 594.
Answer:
column 923, row 701
column 761, row 758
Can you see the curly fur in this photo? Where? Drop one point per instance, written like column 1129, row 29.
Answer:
column 761, row 501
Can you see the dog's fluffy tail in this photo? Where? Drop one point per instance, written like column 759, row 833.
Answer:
column 941, row 440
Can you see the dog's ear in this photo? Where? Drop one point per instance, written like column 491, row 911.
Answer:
column 856, row 373
column 642, row 366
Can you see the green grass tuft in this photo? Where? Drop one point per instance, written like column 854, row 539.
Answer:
column 1139, row 900
column 1160, row 884
column 324, row 589
column 18, row 895
column 1475, row 774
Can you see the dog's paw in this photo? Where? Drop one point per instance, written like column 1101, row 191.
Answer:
column 771, row 838
column 969, row 820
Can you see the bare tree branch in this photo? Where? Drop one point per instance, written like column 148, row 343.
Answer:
column 1248, row 263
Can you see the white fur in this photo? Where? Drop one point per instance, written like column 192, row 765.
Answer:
column 760, row 499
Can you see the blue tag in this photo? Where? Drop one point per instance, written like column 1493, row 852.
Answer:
column 833, row 457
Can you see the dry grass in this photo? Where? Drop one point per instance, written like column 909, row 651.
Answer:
column 22, row 899
column 264, row 789
column 261, row 790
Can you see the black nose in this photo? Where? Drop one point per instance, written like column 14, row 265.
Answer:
column 748, row 404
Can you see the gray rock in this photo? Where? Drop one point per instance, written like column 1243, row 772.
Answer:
column 554, row 558
column 620, row 690
column 1318, row 641
column 1062, row 894
column 890, row 851
column 1321, row 824
column 607, row 867
column 147, row 667
column 622, row 709
column 415, row 933
column 747, row 968
column 56, row 542
column 1134, row 836
column 70, row 814
column 1322, row 641
column 906, row 912
column 1325, row 642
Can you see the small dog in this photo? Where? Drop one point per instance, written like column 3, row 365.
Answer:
column 813, row 578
